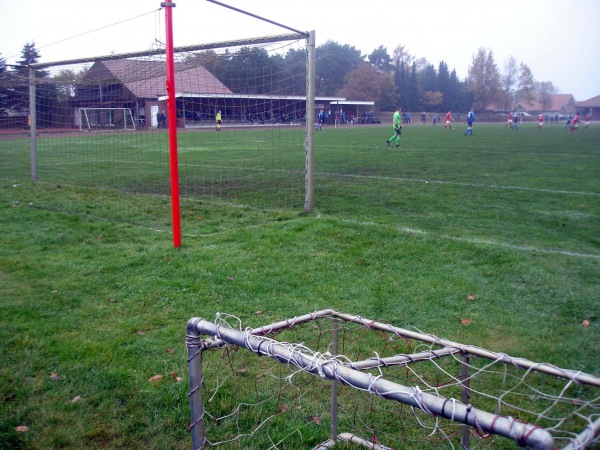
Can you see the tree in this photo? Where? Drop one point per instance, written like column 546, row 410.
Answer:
column 366, row 83
column 483, row 79
column 66, row 81
column 333, row 62
column 444, row 85
column 431, row 97
column 4, row 85
column 509, row 81
column 545, row 90
column 401, row 55
column 29, row 55
column 428, row 78
column 432, row 100
column 295, row 69
column 248, row 70
column 413, row 91
column 380, row 59
column 525, row 92
column 46, row 93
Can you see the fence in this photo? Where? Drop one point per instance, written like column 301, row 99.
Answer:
column 390, row 387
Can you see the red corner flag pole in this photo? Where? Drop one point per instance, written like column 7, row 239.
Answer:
column 172, row 118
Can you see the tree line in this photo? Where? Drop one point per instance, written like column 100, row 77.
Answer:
column 341, row 71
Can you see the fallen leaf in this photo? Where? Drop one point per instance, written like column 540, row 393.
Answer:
column 259, row 312
column 471, row 297
column 21, row 429
column 283, row 408
column 55, row 291
column 140, row 333
column 179, row 379
column 229, row 278
column 155, row 378
column 173, row 374
column 54, row 376
column 170, row 350
column 465, row 322
column 585, row 323
column 75, row 399
column 111, row 300
column 316, row 419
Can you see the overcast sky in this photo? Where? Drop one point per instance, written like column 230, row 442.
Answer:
column 558, row 39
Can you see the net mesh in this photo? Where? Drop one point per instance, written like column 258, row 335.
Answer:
column 255, row 161
column 278, row 402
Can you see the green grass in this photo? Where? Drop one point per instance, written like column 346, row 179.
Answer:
column 93, row 290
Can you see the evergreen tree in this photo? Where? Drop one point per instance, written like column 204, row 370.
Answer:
column 428, row 78
column 29, row 55
column 400, row 77
column 295, row 71
column 4, row 86
column 46, row 92
column 380, row 59
column 413, row 90
column 443, row 85
column 333, row 62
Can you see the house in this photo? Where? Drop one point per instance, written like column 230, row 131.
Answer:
column 591, row 106
column 140, row 86
column 561, row 104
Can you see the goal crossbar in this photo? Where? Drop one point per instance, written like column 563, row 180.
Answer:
column 522, row 363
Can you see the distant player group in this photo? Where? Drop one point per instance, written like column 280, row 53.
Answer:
column 512, row 121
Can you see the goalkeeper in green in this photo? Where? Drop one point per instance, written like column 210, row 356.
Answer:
column 397, row 124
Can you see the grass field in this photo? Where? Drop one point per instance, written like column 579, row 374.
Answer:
column 501, row 228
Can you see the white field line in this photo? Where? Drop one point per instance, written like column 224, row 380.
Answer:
column 526, row 248
column 408, row 230
column 456, row 183
column 375, row 177
column 414, row 231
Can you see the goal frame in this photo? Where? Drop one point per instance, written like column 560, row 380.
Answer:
column 203, row 335
column 105, row 119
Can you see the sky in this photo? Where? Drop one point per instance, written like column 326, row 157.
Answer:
column 558, row 39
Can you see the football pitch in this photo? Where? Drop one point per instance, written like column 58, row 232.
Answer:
column 491, row 240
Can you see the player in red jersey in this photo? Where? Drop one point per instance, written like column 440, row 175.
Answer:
column 449, row 120
column 575, row 122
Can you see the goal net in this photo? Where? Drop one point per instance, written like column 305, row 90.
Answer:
column 256, row 163
column 105, row 119
column 330, row 379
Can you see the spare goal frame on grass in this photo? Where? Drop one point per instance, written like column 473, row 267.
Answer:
column 203, row 335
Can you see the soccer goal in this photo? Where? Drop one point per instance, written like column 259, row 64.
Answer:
column 105, row 119
column 368, row 384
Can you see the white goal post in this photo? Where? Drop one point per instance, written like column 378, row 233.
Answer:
column 105, row 119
